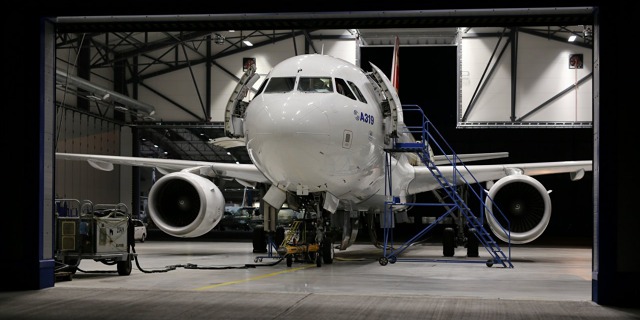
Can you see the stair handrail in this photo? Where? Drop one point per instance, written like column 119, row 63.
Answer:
column 427, row 137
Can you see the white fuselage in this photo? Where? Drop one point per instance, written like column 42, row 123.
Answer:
column 319, row 141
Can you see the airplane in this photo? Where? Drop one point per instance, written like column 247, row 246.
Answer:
column 321, row 133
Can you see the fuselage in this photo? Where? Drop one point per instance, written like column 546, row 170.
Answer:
column 316, row 125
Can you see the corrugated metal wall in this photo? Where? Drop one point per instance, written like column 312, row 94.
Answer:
column 77, row 132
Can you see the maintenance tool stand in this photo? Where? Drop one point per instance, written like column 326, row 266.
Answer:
column 272, row 249
column 103, row 233
column 431, row 138
column 300, row 243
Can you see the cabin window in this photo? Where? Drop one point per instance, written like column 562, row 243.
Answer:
column 315, row 84
column 284, row 84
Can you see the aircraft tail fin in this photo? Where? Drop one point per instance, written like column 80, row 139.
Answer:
column 395, row 65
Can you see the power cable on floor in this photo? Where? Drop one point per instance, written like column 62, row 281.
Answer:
column 195, row 266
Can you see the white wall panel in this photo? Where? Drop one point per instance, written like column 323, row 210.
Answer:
column 493, row 104
column 180, row 87
column 542, row 73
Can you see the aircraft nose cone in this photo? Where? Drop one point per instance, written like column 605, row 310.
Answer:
column 294, row 134
column 293, row 119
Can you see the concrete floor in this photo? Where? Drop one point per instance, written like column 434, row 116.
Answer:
column 225, row 280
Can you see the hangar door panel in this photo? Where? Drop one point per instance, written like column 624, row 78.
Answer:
column 524, row 78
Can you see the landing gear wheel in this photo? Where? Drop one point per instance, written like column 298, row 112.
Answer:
column 259, row 241
column 289, row 260
column 383, row 261
column 125, row 266
column 489, row 263
column 448, row 242
column 393, row 259
column 326, row 248
column 472, row 244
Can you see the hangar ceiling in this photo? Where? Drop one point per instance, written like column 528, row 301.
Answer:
column 121, row 41
column 556, row 16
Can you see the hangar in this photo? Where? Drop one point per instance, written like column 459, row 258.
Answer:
column 165, row 52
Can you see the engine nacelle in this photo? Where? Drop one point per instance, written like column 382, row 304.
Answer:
column 525, row 203
column 185, row 205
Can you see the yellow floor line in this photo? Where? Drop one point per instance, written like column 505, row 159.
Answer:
column 254, row 278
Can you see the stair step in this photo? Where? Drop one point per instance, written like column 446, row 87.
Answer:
column 410, row 145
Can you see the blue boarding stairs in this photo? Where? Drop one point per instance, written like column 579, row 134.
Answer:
column 430, row 138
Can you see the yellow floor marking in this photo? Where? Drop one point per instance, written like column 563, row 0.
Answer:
column 254, row 278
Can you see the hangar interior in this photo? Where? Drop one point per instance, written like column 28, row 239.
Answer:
column 160, row 89
column 614, row 275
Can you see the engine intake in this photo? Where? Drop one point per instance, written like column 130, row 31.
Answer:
column 524, row 202
column 185, row 205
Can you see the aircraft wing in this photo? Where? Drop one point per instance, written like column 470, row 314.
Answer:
column 241, row 172
column 424, row 180
column 468, row 157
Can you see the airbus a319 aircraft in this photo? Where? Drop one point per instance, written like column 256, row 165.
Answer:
column 318, row 131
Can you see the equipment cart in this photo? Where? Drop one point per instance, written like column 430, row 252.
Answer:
column 300, row 243
column 102, row 232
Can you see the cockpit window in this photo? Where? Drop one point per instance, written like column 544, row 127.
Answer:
column 315, row 84
column 264, row 84
column 343, row 89
column 280, row 85
column 357, row 92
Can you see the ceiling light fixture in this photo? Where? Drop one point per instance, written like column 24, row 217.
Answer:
column 572, row 38
column 247, row 43
column 219, row 39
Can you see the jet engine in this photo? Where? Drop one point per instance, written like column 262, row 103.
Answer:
column 185, row 205
column 523, row 209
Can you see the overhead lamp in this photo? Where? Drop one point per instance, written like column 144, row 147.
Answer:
column 219, row 39
column 572, row 38
column 247, row 43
